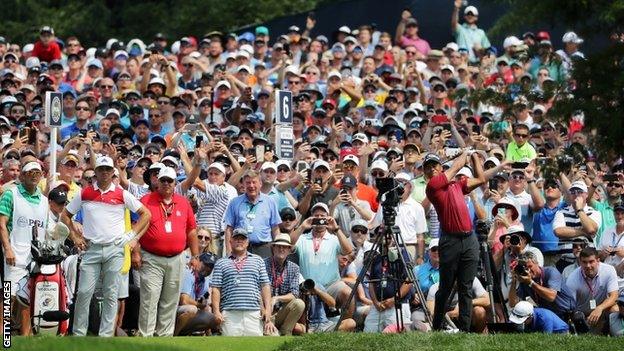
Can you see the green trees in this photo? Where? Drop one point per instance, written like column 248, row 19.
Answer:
column 96, row 21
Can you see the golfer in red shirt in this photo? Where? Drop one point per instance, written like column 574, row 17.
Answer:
column 160, row 261
column 458, row 248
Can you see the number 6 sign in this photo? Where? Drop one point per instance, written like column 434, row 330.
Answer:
column 284, row 107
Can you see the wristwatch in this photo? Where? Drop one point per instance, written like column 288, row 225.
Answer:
column 531, row 284
column 579, row 210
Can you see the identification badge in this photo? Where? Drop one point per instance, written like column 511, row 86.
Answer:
column 592, row 304
column 251, row 216
column 168, row 227
column 249, row 230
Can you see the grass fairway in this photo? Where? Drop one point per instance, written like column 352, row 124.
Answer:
column 326, row 342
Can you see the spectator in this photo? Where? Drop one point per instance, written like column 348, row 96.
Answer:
column 284, row 279
column 407, row 36
column 171, row 230
column 468, row 36
column 616, row 320
column 544, row 285
column 480, row 303
column 46, row 49
column 194, row 312
column 611, row 245
column 347, row 208
column 578, row 244
column 537, row 320
column 528, row 202
column 544, row 237
column 606, row 206
column 595, row 287
column 519, row 149
column 241, row 292
column 254, row 212
column 318, row 249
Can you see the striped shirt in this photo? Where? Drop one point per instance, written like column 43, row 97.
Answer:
column 567, row 217
column 137, row 190
column 240, row 290
column 214, row 201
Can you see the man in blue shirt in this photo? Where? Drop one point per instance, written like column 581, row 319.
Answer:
column 428, row 273
column 537, row 320
column 543, row 236
column 256, row 213
column 468, row 36
column 194, row 311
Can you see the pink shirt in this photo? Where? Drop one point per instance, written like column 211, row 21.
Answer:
column 420, row 44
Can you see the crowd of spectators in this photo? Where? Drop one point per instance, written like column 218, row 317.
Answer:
column 185, row 130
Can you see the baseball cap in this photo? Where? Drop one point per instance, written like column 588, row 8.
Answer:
column 492, row 159
column 167, row 172
column 240, row 232
column 571, row 37
column 170, row 159
column 521, row 311
column 579, row 185
column 269, row 165
column 430, row 158
column 471, row 9
column 104, row 161
column 58, row 195
column 379, row 164
column 223, row 83
column 465, row 171
column 434, row 243
column 218, row 166
column 287, row 212
column 348, row 181
column 351, row 158
column 70, row 157
column 619, row 207
column 359, row 223
column 321, row 163
column 320, row 205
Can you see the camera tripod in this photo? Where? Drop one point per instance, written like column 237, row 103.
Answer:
column 399, row 270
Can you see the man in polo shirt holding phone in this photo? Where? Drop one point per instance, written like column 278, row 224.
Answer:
column 103, row 209
column 459, row 249
column 171, row 230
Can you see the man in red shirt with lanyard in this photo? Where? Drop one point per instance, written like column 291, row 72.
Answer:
column 160, row 260
column 458, row 248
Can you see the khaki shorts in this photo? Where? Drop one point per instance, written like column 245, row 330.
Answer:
column 242, row 323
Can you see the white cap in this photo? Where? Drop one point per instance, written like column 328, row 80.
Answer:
column 345, row 29
column 104, row 161
column 321, row 163
column 31, row 166
column 334, row 74
column 448, row 67
column 157, row 165
column 248, row 48
column 571, row 37
column 512, row 41
column 521, row 311
column 494, row 160
column 268, row 165
column 433, row 243
column 28, row 48
column 452, row 46
column 195, row 54
column 379, row 164
column 471, row 9
column 218, row 166
column 167, row 172
column 351, row 158
column 243, row 53
column 403, row 176
column 122, row 53
column 170, row 159
column 243, row 68
column 579, row 184
column 361, row 137
column 465, row 171
column 112, row 111
column 539, row 107
column 320, row 205
column 292, row 69
column 223, row 83
column 32, row 61
column 157, row 80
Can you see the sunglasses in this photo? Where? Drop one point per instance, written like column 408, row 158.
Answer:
column 87, row 179
column 523, row 136
column 82, row 108
column 142, row 164
column 379, row 174
column 330, row 158
column 410, row 52
column 614, row 185
column 293, row 82
column 551, row 186
column 203, row 237
column 288, row 218
column 283, row 169
column 576, row 191
column 106, row 87
column 517, row 177
column 152, row 153
column 369, row 91
column 434, row 249
column 166, row 180
column 439, row 89
column 153, row 116
column 162, row 102
column 359, row 230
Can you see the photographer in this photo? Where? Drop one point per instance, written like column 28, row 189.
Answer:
column 320, row 190
column 318, row 252
column 319, row 303
column 459, row 247
column 194, row 310
column 544, row 285
column 284, row 278
column 410, row 219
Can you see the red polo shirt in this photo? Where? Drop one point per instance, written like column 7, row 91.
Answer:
column 448, row 200
column 156, row 240
column 47, row 53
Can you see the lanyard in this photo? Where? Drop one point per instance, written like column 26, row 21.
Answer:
column 239, row 263
column 168, row 209
column 278, row 279
column 592, row 286
column 616, row 243
column 316, row 244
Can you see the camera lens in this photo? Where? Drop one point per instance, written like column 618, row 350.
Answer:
column 514, row 240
